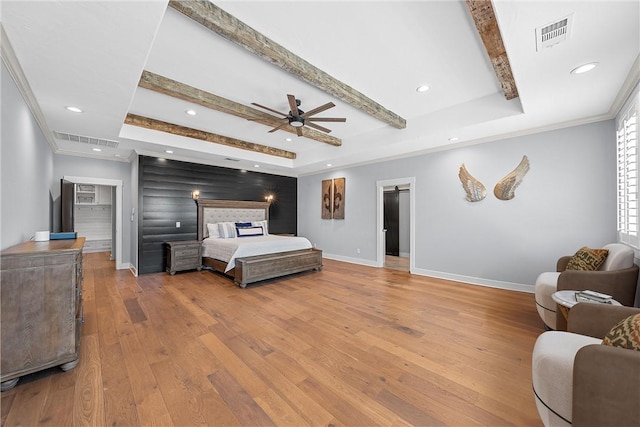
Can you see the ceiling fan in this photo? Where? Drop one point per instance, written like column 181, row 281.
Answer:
column 298, row 118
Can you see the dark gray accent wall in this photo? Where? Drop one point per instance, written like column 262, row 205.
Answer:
column 164, row 198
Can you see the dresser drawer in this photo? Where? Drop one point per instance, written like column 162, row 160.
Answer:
column 184, row 255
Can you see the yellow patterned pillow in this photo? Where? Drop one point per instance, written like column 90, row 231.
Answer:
column 587, row 259
column 625, row 334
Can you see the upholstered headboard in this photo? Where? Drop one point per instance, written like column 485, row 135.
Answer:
column 213, row 211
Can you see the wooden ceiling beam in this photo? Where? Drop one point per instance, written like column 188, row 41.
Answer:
column 485, row 19
column 153, row 124
column 217, row 20
column 175, row 89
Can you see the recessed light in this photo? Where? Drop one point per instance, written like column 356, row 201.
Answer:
column 73, row 109
column 584, row 68
column 117, row 155
column 288, row 139
column 191, row 112
column 422, row 88
column 453, row 138
column 329, row 165
column 96, row 149
column 256, row 166
column 168, row 151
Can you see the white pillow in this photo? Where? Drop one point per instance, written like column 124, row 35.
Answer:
column 227, row 230
column 249, row 231
column 264, row 224
column 213, row 230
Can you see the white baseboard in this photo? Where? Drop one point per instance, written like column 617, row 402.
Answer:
column 132, row 269
column 440, row 275
column 359, row 261
column 475, row 280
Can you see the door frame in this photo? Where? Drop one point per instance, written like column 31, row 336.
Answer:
column 118, row 209
column 400, row 182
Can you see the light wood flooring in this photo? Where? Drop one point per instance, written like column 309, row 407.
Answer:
column 349, row 345
column 396, row 262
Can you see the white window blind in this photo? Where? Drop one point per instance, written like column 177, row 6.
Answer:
column 627, row 140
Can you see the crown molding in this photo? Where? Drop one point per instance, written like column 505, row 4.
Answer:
column 10, row 60
column 626, row 89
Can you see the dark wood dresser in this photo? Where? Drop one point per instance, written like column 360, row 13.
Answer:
column 41, row 298
column 184, row 255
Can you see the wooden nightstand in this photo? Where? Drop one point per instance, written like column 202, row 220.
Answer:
column 184, row 255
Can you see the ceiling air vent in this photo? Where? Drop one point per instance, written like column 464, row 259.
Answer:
column 231, row 160
column 551, row 34
column 85, row 139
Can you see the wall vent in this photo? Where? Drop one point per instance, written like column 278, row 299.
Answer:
column 85, row 139
column 554, row 33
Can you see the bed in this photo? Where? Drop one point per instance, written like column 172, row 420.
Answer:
column 257, row 259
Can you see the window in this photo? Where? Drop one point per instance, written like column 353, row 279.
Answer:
column 628, row 157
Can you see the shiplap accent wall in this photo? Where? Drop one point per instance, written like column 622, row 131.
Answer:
column 164, row 198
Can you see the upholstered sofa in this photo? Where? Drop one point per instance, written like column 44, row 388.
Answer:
column 617, row 276
column 581, row 382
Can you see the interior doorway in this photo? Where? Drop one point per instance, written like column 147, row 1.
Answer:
column 115, row 193
column 400, row 230
column 396, row 226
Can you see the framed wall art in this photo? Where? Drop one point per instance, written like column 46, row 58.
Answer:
column 327, row 198
column 333, row 198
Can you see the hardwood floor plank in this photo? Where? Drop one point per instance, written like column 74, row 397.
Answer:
column 119, row 403
column 136, row 314
column 299, row 405
column 30, row 399
column 248, row 412
column 6, row 401
column 150, row 405
column 88, row 408
column 236, row 367
column 182, row 398
column 348, row 345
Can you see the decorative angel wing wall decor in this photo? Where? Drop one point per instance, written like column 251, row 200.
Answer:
column 506, row 187
column 474, row 188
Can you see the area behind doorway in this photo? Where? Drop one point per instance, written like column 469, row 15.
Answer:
column 397, row 227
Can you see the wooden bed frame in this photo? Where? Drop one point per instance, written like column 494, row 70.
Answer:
column 254, row 268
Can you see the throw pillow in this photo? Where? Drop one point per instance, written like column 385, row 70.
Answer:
column 264, row 224
column 625, row 334
column 249, row 231
column 227, row 230
column 213, row 231
column 587, row 259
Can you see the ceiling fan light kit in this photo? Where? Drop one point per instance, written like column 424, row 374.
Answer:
column 296, row 122
column 298, row 118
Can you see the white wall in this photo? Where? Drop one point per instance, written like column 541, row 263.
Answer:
column 27, row 169
column 567, row 200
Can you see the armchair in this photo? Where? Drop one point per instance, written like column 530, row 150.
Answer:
column 618, row 277
column 579, row 381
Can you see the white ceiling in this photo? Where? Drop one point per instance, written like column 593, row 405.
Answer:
column 91, row 54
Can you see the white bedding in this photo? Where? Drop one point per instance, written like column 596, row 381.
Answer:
column 229, row 249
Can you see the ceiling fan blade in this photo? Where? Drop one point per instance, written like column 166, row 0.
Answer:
column 269, row 109
column 299, row 131
column 315, row 126
column 292, row 105
column 326, row 119
column 319, row 109
column 278, row 127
